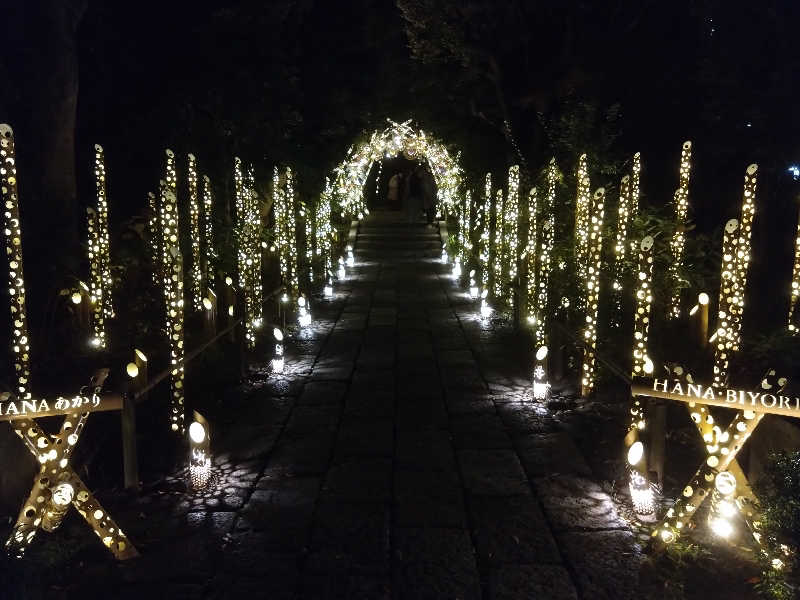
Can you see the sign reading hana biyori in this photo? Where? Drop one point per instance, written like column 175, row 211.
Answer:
column 760, row 401
column 13, row 408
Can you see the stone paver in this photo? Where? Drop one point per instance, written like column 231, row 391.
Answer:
column 399, row 456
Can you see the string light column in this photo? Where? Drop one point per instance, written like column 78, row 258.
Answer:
column 593, row 291
column 531, row 253
column 511, row 237
column 100, row 283
column 196, row 283
column 681, row 200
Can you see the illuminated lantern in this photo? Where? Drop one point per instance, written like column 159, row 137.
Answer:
column 540, row 385
column 200, row 452
column 457, row 268
column 278, row 360
column 444, row 256
column 351, row 260
column 342, row 273
column 681, row 200
column 329, row 288
column 304, row 312
column 486, row 310
column 723, row 506
column 593, row 291
column 57, row 506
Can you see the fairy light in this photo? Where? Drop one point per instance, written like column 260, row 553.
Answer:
column 306, row 213
column 196, row 278
column 593, row 290
column 172, row 277
column 291, row 232
column 208, row 234
column 351, row 175
column 743, row 253
column 100, row 282
column 511, row 238
column 640, row 488
column 464, row 233
column 248, row 233
column 636, row 171
column 547, row 239
column 484, row 244
column 499, row 244
column 156, row 240
column 727, row 299
column 20, row 344
column 678, row 242
column 583, row 201
column 531, row 253
column 281, row 235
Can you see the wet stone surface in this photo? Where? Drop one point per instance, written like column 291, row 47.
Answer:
column 400, row 455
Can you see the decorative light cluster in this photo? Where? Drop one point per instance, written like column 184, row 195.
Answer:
column 323, row 230
column 200, row 452
column 681, row 201
column 723, row 337
column 20, row 342
column 100, row 282
column 511, row 237
column 248, row 231
column 499, row 244
column 303, row 312
column 208, row 234
column 196, row 284
column 593, row 290
column 307, row 215
column 155, row 234
column 545, row 254
column 531, row 253
column 743, row 252
column 540, row 385
column 278, row 361
column 484, row 247
column 583, row 204
column 286, row 228
column 636, row 172
column 351, row 175
column 172, row 279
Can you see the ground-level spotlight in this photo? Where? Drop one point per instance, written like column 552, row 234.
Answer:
column 342, row 273
column 473, row 287
column 486, row 310
column 457, row 269
column 304, row 312
column 642, row 494
column 200, row 452
column 278, row 361
column 540, row 385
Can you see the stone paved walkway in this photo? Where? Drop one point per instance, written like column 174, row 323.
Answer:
column 399, row 457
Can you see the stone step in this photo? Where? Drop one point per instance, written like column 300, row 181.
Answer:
column 398, row 245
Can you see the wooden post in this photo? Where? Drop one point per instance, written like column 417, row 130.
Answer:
column 137, row 371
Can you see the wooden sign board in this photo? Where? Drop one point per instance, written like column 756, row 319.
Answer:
column 758, row 401
column 12, row 409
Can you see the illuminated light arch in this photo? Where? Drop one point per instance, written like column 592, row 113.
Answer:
column 351, row 175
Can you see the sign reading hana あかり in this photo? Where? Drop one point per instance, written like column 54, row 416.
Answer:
column 12, row 408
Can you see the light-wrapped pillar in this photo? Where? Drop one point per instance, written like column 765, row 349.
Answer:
column 681, row 200
column 593, row 291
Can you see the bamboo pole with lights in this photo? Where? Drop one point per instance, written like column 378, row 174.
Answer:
column 172, row 281
column 621, row 245
column 100, row 282
column 546, row 242
column 531, row 252
column 290, row 232
column 743, row 252
column 499, row 245
column 485, row 248
column 155, row 236
column 196, row 284
column 593, row 291
column 209, row 253
column 511, row 237
column 681, row 201
column 583, row 204
column 727, row 297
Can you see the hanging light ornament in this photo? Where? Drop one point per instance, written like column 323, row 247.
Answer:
column 681, row 201
column 172, row 273
column 100, row 283
column 196, row 284
column 593, row 291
